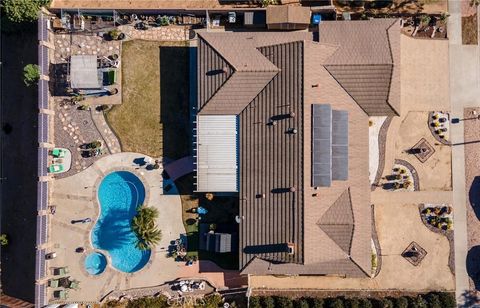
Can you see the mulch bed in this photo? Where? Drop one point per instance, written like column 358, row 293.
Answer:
column 470, row 30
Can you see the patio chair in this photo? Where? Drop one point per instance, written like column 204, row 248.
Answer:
column 60, row 294
column 58, row 153
column 74, row 284
column 53, row 283
column 61, row 271
column 55, row 168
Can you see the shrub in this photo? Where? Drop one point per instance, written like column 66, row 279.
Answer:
column 301, row 303
column 24, row 10
column 401, row 302
column 147, row 302
column 255, row 302
column 418, row 302
column 385, row 303
column 365, row 303
column 268, row 302
column 335, row 303
column 352, row 303
column 317, row 303
column 212, row 301
column 114, row 33
column 447, row 300
column 3, row 240
column 31, row 74
column 433, row 300
column 283, row 302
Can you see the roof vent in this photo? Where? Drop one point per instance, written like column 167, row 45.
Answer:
column 292, row 130
column 261, row 196
column 292, row 114
column 315, row 85
column 292, row 189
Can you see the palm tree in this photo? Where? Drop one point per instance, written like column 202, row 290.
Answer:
column 143, row 224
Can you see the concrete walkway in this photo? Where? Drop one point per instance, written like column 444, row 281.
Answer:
column 411, row 197
column 106, row 132
column 464, row 92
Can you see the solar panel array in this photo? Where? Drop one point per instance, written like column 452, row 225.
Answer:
column 329, row 145
column 43, row 59
column 42, row 196
column 43, row 94
column 40, row 294
column 43, row 127
column 340, row 145
column 42, row 161
column 322, row 145
column 42, row 229
column 42, row 28
column 40, row 268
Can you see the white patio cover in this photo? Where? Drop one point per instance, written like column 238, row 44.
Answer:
column 83, row 72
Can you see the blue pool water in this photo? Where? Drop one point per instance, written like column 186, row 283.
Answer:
column 95, row 263
column 119, row 195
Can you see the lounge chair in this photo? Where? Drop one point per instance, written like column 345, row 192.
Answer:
column 53, row 283
column 58, row 153
column 74, row 285
column 60, row 294
column 55, row 168
column 59, row 271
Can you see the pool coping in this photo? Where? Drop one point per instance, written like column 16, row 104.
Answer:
column 88, row 245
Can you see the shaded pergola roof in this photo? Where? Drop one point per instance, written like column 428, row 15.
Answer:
column 83, row 72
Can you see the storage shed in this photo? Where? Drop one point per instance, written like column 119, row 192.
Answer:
column 288, row 17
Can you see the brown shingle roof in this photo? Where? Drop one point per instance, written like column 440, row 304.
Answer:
column 329, row 227
column 271, row 163
column 364, row 61
column 279, row 14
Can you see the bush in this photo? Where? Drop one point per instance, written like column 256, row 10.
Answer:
column 418, row 302
column 335, row 303
column 352, row 303
column 447, row 300
column 255, row 302
column 433, row 300
column 385, row 303
column 147, row 302
column 31, row 74
column 3, row 240
column 365, row 303
column 268, row 302
column 401, row 302
column 283, row 302
column 212, row 301
column 301, row 303
column 317, row 303
column 24, row 10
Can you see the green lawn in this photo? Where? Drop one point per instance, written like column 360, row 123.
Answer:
column 154, row 114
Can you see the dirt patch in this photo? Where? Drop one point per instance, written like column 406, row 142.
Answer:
column 470, row 30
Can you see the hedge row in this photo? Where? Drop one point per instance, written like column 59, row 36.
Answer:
column 430, row 300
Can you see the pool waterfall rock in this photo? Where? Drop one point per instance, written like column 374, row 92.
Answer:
column 119, row 195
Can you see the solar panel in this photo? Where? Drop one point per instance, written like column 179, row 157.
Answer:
column 42, row 161
column 42, row 226
column 43, row 60
column 42, row 196
column 42, row 127
column 340, row 145
column 40, row 264
column 322, row 145
column 43, row 94
column 40, row 293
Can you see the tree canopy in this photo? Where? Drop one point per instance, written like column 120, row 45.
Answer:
column 22, row 10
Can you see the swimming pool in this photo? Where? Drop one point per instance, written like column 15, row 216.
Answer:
column 119, row 195
column 95, row 263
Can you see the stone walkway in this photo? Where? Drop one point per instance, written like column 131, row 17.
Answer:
column 72, row 128
column 170, row 33
column 110, row 138
column 80, row 44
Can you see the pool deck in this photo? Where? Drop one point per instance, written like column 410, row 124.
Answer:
column 75, row 198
